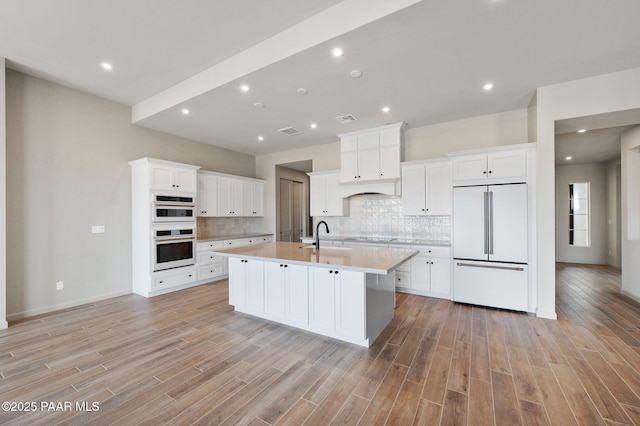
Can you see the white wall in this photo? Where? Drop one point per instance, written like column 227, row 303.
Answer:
column 67, row 170
column 630, row 209
column 597, row 95
column 595, row 174
column 3, row 198
column 614, row 221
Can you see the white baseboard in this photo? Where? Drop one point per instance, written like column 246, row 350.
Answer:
column 631, row 295
column 547, row 314
column 65, row 305
column 3, row 325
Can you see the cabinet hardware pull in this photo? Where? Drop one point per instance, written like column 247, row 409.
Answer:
column 491, row 267
column 336, row 272
column 286, row 266
column 331, row 272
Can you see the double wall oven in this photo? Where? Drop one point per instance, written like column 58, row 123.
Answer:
column 174, row 231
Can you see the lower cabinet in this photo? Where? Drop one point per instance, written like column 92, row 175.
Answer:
column 337, row 302
column 246, row 288
column 210, row 267
column 286, row 293
column 173, row 278
column 427, row 274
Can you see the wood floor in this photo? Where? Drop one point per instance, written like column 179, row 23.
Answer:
column 187, row 358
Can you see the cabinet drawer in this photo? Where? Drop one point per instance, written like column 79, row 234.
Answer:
column 208, row 259
column 173, row 278
column 403, row 279
column 443, row 252
column 210, row 245
column 405, row 267
column 261, row 240
column 240, row 242
column 210, row 271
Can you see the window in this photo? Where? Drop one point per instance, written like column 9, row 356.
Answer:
column 579, row 214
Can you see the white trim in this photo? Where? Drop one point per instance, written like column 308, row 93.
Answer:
column 547, row 315
column 531, row 145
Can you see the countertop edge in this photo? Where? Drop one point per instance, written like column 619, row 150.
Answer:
column 233, row 237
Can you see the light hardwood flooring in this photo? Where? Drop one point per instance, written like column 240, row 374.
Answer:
column 187, row 358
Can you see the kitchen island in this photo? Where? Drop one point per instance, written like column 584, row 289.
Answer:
column 347, row 293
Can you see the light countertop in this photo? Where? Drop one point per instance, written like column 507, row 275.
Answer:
column 375, row 260
column 380, row 240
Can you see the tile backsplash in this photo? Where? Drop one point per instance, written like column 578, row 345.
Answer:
column 376, row 215
column 222, row 226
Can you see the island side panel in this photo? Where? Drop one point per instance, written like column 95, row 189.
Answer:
column 381, row 300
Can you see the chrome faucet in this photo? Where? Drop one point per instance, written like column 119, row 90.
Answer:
column 326, row 227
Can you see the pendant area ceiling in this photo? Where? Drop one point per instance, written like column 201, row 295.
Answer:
column 427, row 61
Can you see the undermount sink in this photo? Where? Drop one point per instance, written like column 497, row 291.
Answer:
column 328, row 248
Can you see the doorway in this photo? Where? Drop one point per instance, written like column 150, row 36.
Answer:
column 291, row 210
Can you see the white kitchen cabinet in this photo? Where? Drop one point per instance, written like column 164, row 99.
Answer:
column 210, row 266
column 337, row 302
column 252, row 198
column 166, row 176
column 173, row 278
column 246, row 289
column 286, row 293
column 207, row 195
column 325, row 195
column 229, row 196
column 500, row 164
column 372, row 154
column 426, row 188
column 426, row 274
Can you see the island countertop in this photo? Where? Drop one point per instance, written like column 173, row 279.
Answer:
column 375, row 260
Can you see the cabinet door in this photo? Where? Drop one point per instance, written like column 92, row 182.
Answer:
column 390, row 162
column 390, row 137
column 207, row 195
column 369, row 140
column 413, row 190
column 237, row 280
column 252, row 198
column 512, row 163
column 469, row 167
column 369, row 164
column 258, row 199
column 317, row 195
column 334, row 203
column 348, row 143
column 185, row 180
column 438, row 189
column 255, row 285
column 322, row 299
column 161, row 177
column 274, row 289
column 229, row 197
column 349, row 167
column 420, row 273
column 350, row 304
column 297, row 295
column 440, row 275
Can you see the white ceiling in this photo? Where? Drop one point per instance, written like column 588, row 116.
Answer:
column 427, row 61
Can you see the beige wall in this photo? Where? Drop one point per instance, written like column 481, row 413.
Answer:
column 67, row 170
column 3, row 199
column 597, row 95
column 596, row 175
column 505, row 128
column 630, row 209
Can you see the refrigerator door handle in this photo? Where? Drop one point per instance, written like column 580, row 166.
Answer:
column 486, row 227
column 490, row 222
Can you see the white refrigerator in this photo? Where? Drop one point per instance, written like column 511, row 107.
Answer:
column 490, row 227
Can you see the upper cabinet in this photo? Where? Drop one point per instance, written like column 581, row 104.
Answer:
column 426, row 188
column 222, row 195
column 501, row 165
column 169, row 176
column 325, row 195
column 372, row 154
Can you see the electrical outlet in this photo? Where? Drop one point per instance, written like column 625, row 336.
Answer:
column 59, row 285
column 97, row 229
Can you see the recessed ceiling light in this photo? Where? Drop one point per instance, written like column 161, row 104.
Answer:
column 302, row 91
column 313, row 125
column 244, row 87
column 488, row 86
column 568, row 158
column 106, row 66
column 258, row 105
column 184, row 111
column 356, row 73
column 582, row 130
column 386, row 109
column 260, row 138
column 337, row 52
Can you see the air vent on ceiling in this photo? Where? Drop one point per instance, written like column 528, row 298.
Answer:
column 291, row 131
column 344, row 119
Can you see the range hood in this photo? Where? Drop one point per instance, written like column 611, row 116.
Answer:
column 378, row 186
